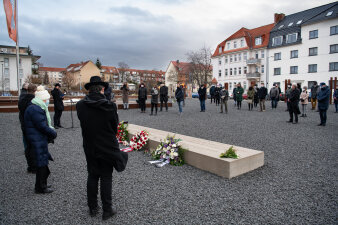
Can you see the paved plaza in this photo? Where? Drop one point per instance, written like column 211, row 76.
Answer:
column 297, row 185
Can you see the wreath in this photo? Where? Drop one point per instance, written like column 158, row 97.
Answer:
column 170, row 151
column 139, row 140
column 122, row 133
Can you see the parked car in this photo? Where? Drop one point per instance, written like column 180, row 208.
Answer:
column 194, row 95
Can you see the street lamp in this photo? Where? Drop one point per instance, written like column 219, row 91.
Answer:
column 35, row 68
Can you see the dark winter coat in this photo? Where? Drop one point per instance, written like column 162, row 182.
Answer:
column 323, row 98
column 24, row 102
column 262, row 93
column 108, row 93
column 164, row 93
column 251, row 94
column 99, row 120
column 314, row 91
column 274, row 93
column 154, row 96
column 287, row 93
column 217, row 93
column 234, row 93
column 179, row 94
column 212, row 90
column 294, row 100
column 22, row 93
column 202, row 92
column 58, row 97
column 256, row 97
column 38, row 133
column 239, row 94
column 224, row 94
column 335, row 95
column 142, row 93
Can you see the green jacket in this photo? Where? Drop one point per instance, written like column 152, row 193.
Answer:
column 239, row 93
column 251, row 94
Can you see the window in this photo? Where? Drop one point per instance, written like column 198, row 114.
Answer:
column 239, row 70
column 6, row 62
column 230, row 71
column 219, row 73
column 230, row 85
column 291, row 38
column 277, row 41
column 313, row 51
column 294, row 54
column 334, row 30
column 299, row 22
column 262, row 69
column 293, row 69
column 262, row 54
column 242, row 43
column 278, row 56
column 235, row 71
column 333, row 66
column 245, row 55
column 276, row 71
column 235, row 44
column 256, row 55
column 244, row 85
column 226, row 59
column 220, row 50
column 290, row 24
column 244, row 70
column 329, row 13
column 257, row 69
column 235, row 56
column 281, row 26
column 240, row 57
column 226, row 72
column 312, row 68
column 334, row 48
column 21, row 73
column 313, row 34
column 6, row 72
column 228, row 45
column 231, row 58
column 258, row 40
column 219, row 62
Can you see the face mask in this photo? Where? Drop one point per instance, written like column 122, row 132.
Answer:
column 142, row 86
column 47, row 103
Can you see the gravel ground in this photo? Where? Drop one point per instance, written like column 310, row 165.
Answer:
column 297, row 185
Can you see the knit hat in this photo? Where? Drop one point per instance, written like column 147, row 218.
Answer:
column 42, row 93
column 321, row 84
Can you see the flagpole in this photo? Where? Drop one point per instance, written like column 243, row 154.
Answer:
column 17, row 46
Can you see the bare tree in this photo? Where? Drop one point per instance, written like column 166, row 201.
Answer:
column 68, row 80
column 123, row 68
column 200, row 66
column 34, row 79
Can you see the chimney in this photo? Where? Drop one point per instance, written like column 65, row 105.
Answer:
column 279, row 17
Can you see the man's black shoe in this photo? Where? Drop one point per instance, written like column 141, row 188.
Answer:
column 289, row 121
column 93, row 212
column 320, row 124
column 107, row 214
column 44, row 191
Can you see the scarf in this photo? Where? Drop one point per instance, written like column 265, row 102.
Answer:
column 39, row 102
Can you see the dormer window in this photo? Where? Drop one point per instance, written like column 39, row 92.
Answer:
column 220, row 50
column 235, row 44
column 258, row 40
column 291, row 38
column 290, row 24
column 329, row 13
column 228, row 44
column 281, row 26
column 299, row 22
column 242, row 43
column 277, row 41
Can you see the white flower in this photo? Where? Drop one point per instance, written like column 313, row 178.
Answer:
column 174, row 145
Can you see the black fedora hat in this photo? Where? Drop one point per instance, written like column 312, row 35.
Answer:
column 57, row 85
column 96, row 80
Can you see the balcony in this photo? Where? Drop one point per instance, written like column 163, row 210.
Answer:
column 253, row 61
column 254, row 75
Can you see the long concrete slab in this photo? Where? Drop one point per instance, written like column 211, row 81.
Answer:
column 204, row 154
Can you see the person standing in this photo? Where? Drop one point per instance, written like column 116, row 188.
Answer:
column 314, row 92
column 142, row 97
column 179, row 95
column 24, row 90
column 217, row 94
column 99, row 120
column 202, row 93
column 125, row 96
column 39, row 132
column 274, row 93
column 287, row 96
column 164, row 97
column 154, row 100
column 24, row 102
column 212, row 93
column 108, row 93
column 224, row 100
column 256, row 98
column 239, row 95
column 335, row 98
column 234, row 96
column 262, row 93
column 58, row 105
column 304, row 99
column 278, row 97
column 323, row 98
column 251, row 95
column 294, row 101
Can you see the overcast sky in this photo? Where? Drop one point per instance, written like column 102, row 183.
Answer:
column 146, row 34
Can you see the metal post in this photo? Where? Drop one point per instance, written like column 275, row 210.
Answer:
column 2, row 76
column 17, row 47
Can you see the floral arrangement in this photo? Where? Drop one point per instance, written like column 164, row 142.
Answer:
column 138, row 141
column 170, row 151
column 122, row 133
column 230, row 153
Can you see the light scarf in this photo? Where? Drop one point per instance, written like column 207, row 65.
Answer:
column 39, row 102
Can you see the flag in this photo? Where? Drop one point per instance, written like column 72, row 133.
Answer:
column 11, row 20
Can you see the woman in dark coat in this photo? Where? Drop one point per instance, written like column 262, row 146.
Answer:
column 154, row 100
column 217, row 94
column 202, row 92
column 142, row 97
column 239, row 95
column 39, row 132
column 125, row 95
column 294, row 103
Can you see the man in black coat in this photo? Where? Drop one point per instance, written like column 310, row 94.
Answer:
column 202, row 93
column 24, row 101
column 142, row 97
column 99, row 120
column 323, row 98
column 164, row 97
column 179, row 95
column 294, row 101
column 58, row 105
column 262, row 93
